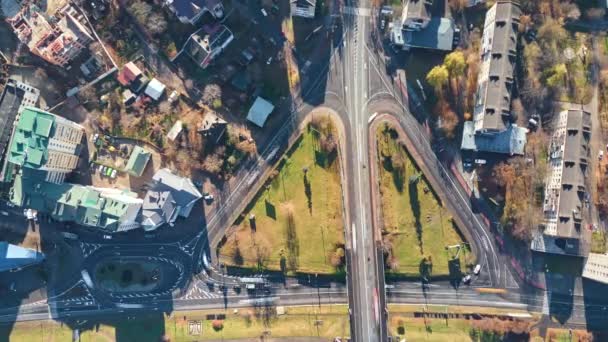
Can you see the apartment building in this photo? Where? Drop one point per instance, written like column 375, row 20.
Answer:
column 45, row 142
column 566, row 194
column 492, row 129
column 57, row 40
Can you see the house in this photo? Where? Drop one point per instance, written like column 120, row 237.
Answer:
column 596, row 268
column 437, row 35
column 155, row 89
column 138, row 160
column 107, row 209
column 303, row 8
column 175, row 130
column 131, row 76
column 58, row 41
column 492, row 129
column 190, row 11
column 565, row 189
column 169, row 197
column 260, row 111
column 45, row 142
column 14, row 98
column 128, row 97
column 421, row 31
column 204, row 45
column 13, row 257
column 212, row 127
column 416, row 14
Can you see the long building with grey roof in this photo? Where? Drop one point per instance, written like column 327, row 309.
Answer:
column 566, row 190
column 491, row 129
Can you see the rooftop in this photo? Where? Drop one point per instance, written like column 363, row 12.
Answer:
column 13, row 257
column 138, row 161
column 498, row 52
column 510, row 141
column 192, row 8
column 260, row 111
column 438, row 35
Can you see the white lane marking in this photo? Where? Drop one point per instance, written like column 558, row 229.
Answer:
column 354, row 232
column 357, row 11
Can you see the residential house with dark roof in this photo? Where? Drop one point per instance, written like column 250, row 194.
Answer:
column 169, row 196
column 13, row 257
column 45, row 142
column 58, row 41
column 566, row 190
column 303, row 8
column 204, row 45
column 492, row 129
column 190, row 11
column 212, row 127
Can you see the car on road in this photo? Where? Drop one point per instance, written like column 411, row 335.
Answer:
column 10, row 204
column 107, row 237
column 4, row 213
column 269, row 60
column 477, row 269
column 467, row 279
column 264, row 12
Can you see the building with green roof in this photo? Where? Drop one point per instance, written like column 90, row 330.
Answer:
column 138, row 161
column 47, row 142
column 111, row 210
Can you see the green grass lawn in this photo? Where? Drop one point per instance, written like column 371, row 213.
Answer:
column 435, row 329
column 406, row 206
column 298, row 216
column 327, row 322
column 598, row 242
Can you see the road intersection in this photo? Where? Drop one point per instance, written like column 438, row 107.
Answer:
column 359, row 92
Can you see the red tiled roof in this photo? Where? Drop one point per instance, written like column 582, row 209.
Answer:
column 129, row 73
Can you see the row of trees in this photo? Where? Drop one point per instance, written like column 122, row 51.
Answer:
column 454, row 83
column 523, row 181
column 152, row 20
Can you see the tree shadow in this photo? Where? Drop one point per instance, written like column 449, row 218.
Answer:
column 271, row 210
column 292, row 241
column 308, row 192
column 415, row 206
column 425, row 267
column 455, row 272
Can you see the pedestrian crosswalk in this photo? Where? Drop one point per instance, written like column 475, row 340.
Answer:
column 199, row 292
column 89, row 248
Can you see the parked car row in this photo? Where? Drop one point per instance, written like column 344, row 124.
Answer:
column 104, row 170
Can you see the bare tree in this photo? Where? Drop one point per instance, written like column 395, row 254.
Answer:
column 211, row 92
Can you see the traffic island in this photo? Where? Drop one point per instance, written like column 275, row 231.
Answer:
column 294, row 224
column 419, row 235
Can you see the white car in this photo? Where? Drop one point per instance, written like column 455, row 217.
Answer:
column 264, row 12
column 477, row 269
column 269, row 60
column 466, row 279
column 113, row 174
column 100, row 168
column 107, row 237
